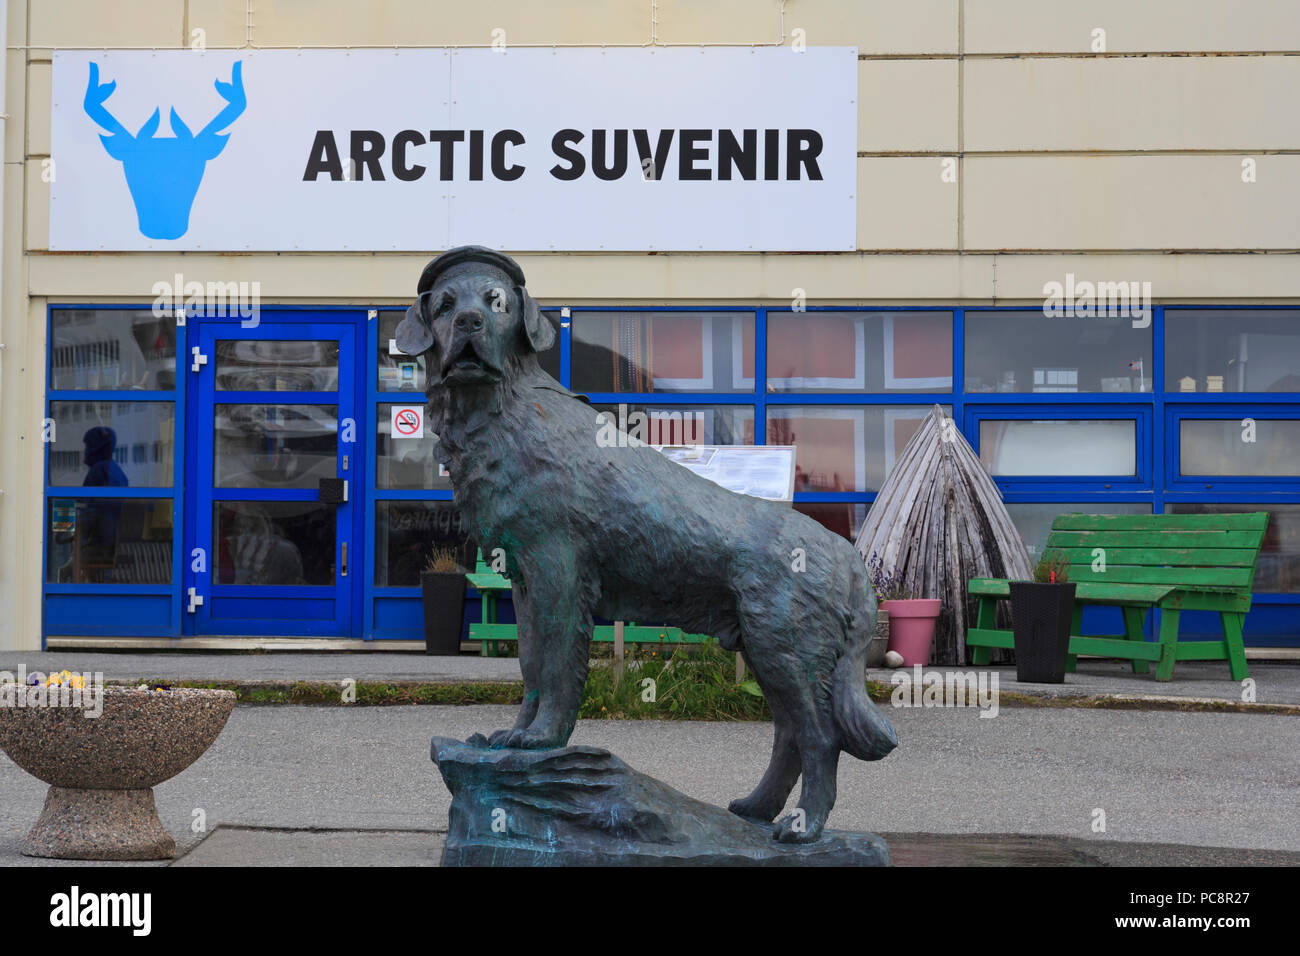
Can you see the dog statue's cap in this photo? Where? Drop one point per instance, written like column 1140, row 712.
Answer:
column 463, row 254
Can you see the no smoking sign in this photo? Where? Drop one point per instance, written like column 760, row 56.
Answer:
column 408, row 421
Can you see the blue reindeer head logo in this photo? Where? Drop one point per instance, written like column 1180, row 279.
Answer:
column 163, row 173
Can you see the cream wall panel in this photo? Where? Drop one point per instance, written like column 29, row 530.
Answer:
column 907, row 105
column 903, row 203
column 873, row 26
column 1239, row 102
column 222, row 21
column 842, row 278
column 1143, row 26
column 106, row 23
column 38, row 100
column 448, row 22
column 1130, row 202
column 1174, row 278
column 38, row 206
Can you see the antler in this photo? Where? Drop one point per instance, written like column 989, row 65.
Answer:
column 96, row 94
column 233, row 94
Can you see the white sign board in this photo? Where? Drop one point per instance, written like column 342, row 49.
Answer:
column 575, row 149
column 407, row 421
column 764, row 471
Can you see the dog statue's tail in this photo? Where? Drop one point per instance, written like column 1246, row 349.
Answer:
column 865, row 732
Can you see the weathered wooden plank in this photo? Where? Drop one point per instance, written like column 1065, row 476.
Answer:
column 1075, row 521
column 1157, row 557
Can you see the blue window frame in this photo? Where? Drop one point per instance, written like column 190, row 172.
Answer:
column 389, row 602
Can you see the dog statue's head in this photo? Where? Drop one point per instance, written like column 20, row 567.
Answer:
column 473, row 319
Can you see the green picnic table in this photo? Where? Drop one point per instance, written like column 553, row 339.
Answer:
column 1203, row 562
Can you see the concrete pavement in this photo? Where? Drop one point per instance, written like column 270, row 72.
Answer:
column 1196, row 780
column 1276, row 682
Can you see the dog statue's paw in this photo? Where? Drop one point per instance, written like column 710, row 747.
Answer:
column 477, row 740
column 797, row 827
column 524, row 740
column 749, row 809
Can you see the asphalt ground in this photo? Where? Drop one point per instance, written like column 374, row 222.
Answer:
column 1204, row 784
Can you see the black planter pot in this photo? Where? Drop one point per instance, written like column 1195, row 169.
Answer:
column 1040, row 615
column 444, row 611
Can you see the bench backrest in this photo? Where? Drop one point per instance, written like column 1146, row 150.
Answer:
column 1202, row 552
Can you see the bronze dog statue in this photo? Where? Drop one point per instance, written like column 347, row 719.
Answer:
column 627, row 534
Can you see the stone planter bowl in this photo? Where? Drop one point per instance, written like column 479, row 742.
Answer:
column 102, row 770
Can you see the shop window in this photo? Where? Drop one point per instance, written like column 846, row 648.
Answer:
column 274, row 542
column 683, row 424
column 663, row 352
column 406, row 534
column 398, row 372
column 1034, row 519
column 112, row 444
column 269, row 365
column 843, row 517
column 1027, row 351
column 1266, row 447
column 1060, row 448
column 405, row 462
column 1232, row 350
column 108, row 541
column 274, row 446
column 859, row 351
column 844, row 448
column 112, row 349
column 1278, row 568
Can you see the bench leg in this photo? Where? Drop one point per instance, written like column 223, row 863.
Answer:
column 1168, row 644
column 1231, row 623
column 1076, row 628
column 986, row 618
column 1133, row 620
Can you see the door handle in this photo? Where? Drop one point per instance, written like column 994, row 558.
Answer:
column 344, row 571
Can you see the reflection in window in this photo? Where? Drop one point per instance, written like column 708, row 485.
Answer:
column 844, row 518
column 112, row 348
column 406, row 534
column 271, row 365
column 398, row 372
column 663, row 351
column 1027, row 351
column 683, row 424
column 1251, row 446
column 274, row 542
column 859, row 351
column 1034, row 519
column 112, row 444
column 1278, row 568
column 1232, row 350
column 275, row 446
column 844, row 448
column 1059, row 448
column 405, row 462
column 109, row 541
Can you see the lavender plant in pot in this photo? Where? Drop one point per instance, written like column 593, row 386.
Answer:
column 1041, row 613
column 442, row 585
column 911, row 619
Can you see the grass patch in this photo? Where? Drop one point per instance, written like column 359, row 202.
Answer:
column 693, row 682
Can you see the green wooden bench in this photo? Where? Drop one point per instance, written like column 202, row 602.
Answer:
column 490, row 633
column 1203, row 562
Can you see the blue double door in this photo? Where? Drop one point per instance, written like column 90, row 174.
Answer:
column 274, row 476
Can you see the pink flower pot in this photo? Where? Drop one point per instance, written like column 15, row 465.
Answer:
column 911, row 628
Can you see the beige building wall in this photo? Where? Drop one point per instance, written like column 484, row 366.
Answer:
column 1002, row 144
